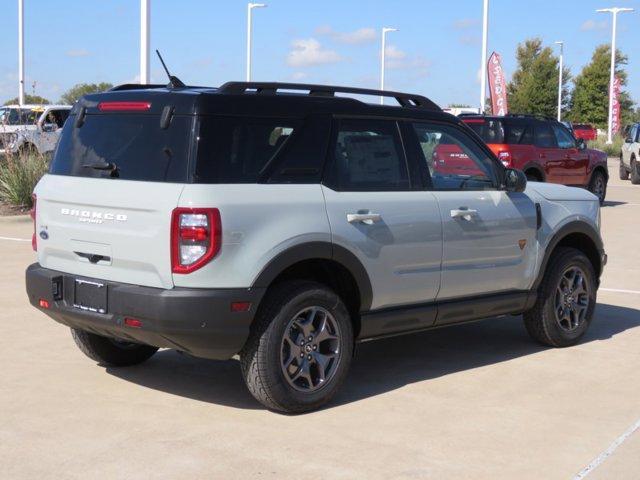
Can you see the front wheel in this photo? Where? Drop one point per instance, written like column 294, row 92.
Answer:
column 566, row 300
column 598, row 186
column 300, row 348
column 635, row 172
column 111, row 352
column 624, row 173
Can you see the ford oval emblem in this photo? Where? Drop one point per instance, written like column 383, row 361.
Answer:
column 44, row 235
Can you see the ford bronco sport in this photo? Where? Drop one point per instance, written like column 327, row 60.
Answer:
column 284, row 223
column 544, row 149
column 630, row 155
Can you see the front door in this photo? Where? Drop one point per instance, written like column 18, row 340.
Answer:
column 488, row 233
column 550, row 157
column 576, row 161
column 377, row 212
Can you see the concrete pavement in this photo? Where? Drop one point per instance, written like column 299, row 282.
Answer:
column 469, row 402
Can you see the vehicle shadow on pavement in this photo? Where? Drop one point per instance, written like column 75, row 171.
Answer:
column 611, row 203
column 379, row 366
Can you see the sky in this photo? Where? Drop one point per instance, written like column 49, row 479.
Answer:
column 436, row 51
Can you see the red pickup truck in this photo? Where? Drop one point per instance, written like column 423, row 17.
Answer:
column 544, row 149
column 584, row 131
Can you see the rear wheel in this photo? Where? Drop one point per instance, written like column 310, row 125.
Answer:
column 533, row 176
column 624, row 173
column 635, row 172
column 598, row 185
column 111, row 352
column 566, row 300
column 300, row 347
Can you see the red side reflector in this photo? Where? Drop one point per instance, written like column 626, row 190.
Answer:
column 43, row 303
column 132, row 322
column 124, row 106
column 240, row 306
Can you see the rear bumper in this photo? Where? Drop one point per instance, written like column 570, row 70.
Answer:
column 196, row 321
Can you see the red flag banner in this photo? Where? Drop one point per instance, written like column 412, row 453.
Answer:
column 615, row 117
column 497, row 85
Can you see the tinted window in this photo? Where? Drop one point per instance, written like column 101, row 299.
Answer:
column 368, row 155
column 563, row 137
column 239, row 149
column 135, row 144
column 454, row 161
column 544, row 136
column 512, row 132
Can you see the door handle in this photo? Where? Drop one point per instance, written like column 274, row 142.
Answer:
column 464, row 213
column 366, row 218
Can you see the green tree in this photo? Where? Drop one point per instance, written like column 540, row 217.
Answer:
column 534, row 86
column 29, row 99
column 74, row 93
column 590, row 100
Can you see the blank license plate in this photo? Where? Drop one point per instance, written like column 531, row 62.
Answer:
column 90, row 296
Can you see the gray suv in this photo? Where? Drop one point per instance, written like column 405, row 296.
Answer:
column 284, row 223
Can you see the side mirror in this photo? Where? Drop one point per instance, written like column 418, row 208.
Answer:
column 582, row 145
column 628, row 140
column 48, row 127
column 514, row 180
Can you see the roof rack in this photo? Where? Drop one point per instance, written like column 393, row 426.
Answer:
column 529, row 115
column 271, row 88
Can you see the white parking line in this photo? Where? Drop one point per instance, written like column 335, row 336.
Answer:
column 619, row 290
column 603, row 456
column 12, row 239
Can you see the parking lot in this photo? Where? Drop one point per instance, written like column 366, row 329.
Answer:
column 475, row 401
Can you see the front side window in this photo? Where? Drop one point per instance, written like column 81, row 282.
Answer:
column 368, row 156
column 563, row 137
column 239, row 149
column 454, row 161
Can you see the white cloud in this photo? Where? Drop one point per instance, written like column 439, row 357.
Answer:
column 309, row 52
column 81, row 52
column 394, row 53
column 299, row 76
column 464, row 23
column 356, row 37
column 593, row 25
column 469, row 40
column 397, row 59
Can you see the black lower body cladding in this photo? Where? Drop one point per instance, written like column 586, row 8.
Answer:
column 197, row 321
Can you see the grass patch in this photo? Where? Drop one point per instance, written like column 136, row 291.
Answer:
column 612, row 150
column 18, row 177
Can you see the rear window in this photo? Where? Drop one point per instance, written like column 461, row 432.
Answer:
column 239, row 149
column 125, row 146
column 493, row 130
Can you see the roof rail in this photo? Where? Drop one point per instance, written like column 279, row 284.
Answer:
column 529, row 115
column 271, row 88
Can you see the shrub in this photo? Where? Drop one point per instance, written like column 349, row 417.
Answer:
column 612, row 150
column 18, row 177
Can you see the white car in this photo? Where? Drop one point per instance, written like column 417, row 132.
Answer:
column 630, row 155
column 31, row 127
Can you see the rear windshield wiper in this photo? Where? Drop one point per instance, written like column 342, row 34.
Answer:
column 101, row 166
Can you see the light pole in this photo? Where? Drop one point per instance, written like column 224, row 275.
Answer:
column 615, row 12
column 560, row 80
column 383, row 56
column 20, row 52
column 144, row 40
column 483, row 66
column 250, row 7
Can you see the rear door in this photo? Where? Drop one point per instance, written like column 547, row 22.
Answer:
column 378, row 212
column 488, row 233
column 104, row 211
column 550, row 157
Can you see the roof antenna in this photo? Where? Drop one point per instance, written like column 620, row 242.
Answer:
column 174, row 82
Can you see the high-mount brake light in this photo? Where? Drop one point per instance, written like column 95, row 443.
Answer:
column 32, row 214
column 196, row 236
column 473, row 120
column 124, row 106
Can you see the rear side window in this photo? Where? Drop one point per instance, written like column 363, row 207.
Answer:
column 239, row 149
column 125, row 146
column 544, row 136
column 494, row 130
column 563, row 137
column 368, row 156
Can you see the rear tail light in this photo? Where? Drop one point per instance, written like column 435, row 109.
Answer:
column 32, row 214
column 505, row 158
column 196, row 235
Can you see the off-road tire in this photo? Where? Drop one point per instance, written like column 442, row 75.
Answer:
column 260, row 357
column 635, row 172
column 597, row 176
column 540, row 321
column 624, row 173
column 110, row 352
